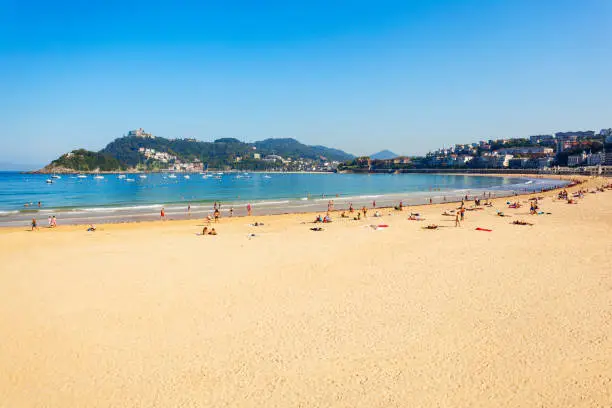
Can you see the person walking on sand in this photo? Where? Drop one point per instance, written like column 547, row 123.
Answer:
column 462, row 212
column 457, row 223
column 217, row 214
column 34, row 225
column 162, row 214
column 249, row 209
column 53, row 222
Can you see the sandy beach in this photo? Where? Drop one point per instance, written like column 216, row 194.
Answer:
column 152, row 315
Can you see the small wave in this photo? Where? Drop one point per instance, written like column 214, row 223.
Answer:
column 7, row 213
column 260, row 203
column 113, row 209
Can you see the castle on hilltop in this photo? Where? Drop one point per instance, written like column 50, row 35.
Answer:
column 140, row 133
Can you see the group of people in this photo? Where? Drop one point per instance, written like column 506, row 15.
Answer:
column 212, row 231
column 326, row 219
column 52, row 223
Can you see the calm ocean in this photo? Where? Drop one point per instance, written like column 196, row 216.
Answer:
column 117, row 199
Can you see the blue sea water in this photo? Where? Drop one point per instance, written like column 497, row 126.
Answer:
column 82, row 200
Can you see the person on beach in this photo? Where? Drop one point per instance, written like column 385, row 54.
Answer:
column 343, row 215
column 215, row 206
column 212, row 232
column 249, row 209
column 91, row 228
column 217, row 214
column 189, row 210
column 205, row 231
column 351, row 209
column 34, row 225
column 430, row 200
column 50, row 222
column 53, row 222
column 364, row 210
column 39, row 205
column 374, row 204
column 462, row 213
column 457, row 222
column 162, row 214
column 231, row 212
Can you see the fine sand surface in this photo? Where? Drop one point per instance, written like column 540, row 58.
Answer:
column 152, row 315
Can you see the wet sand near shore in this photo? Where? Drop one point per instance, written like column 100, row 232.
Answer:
column 150, row 314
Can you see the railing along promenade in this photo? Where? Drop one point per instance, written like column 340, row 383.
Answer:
column 560, row 171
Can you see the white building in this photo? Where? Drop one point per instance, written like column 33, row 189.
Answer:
column 576, row 159
column 594, row 159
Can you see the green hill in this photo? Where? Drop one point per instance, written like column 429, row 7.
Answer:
column 84, row 160
column 221, row 151
column 127, row 152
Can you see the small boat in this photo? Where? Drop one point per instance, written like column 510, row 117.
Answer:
column 267, row 177
column 121, row 176
column 143, row 176
column 49, row 181
column 129, row 180
column 55, row 176
column 172, row 176
column 187, row 177
column 220, row 173
column 99, row 177
column 81, row 176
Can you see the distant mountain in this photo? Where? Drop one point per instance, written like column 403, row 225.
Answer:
column 144, row 153
column 294, row 149
column 383, row 155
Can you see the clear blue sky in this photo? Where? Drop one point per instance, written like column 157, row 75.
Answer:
column 406, row 75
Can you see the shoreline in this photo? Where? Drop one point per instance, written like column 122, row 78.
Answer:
column 141, row 212
column 224, row 219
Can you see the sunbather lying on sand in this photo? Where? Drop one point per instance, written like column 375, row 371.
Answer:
column 316, row 229
column 414, row 217
column 521, row 222
column 450, row 213
column 431, row 226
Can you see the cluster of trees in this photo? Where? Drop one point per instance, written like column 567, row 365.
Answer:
column 84, row 160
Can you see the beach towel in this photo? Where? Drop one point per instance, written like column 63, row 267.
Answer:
column 483, row 229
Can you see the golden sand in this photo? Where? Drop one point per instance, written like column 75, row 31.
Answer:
column 152, row 315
